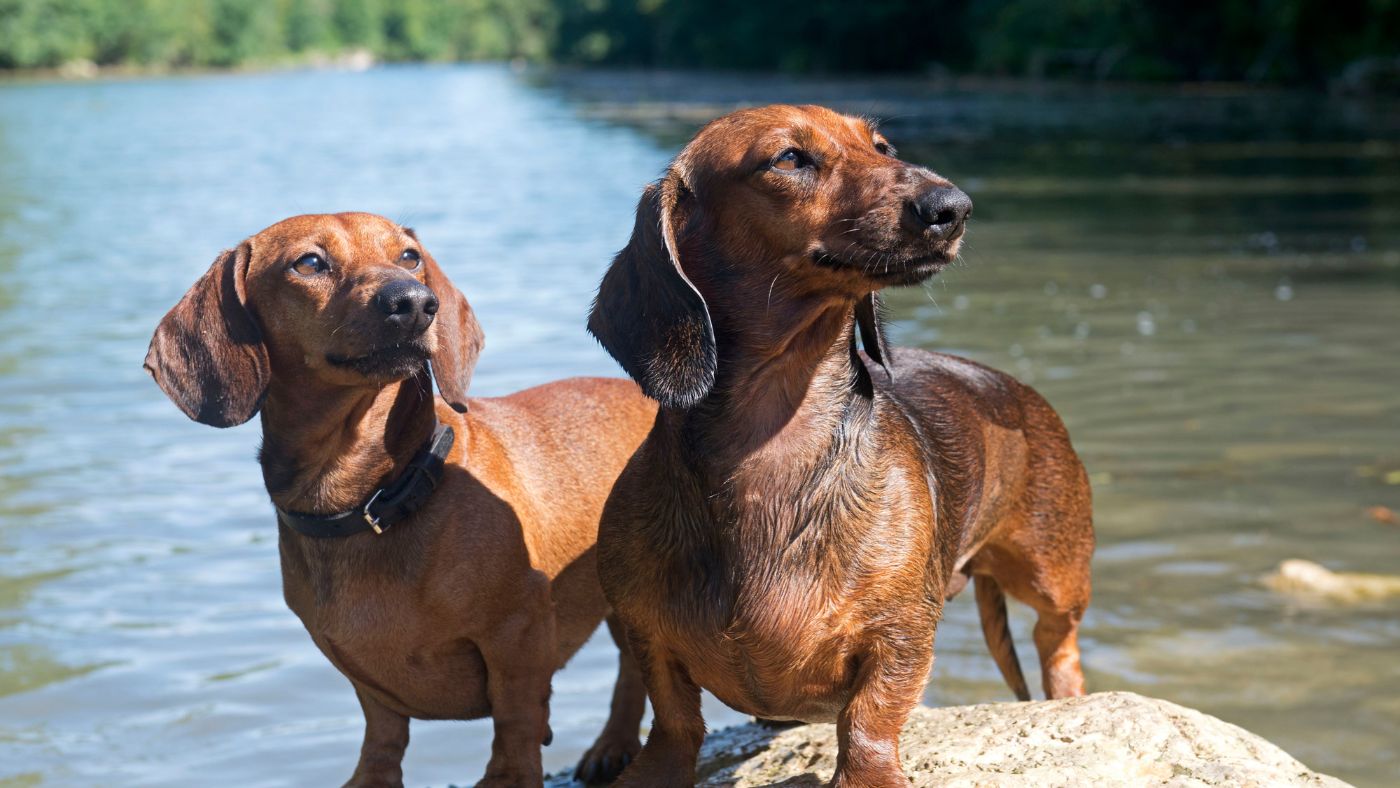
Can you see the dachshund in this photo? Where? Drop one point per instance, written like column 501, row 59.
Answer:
column 440, row 551
column 788, row 532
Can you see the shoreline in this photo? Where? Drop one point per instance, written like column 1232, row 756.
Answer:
column 363, row 60
column 88, row 71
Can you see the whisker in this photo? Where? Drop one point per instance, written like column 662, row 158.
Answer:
column 928, row 292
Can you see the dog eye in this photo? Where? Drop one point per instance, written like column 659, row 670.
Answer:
column 309, row 264
column 791, row 159
column 410, row 259
column 884, row 147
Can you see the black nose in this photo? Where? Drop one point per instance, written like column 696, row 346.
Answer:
column 408, row 304
column 943, row 210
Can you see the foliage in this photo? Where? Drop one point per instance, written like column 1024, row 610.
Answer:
column 222, row 33
column 1297, row 41
column 790, row 35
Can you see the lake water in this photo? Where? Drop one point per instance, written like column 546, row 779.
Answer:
column 1207, row 287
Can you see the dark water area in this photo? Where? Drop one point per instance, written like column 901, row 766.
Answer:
column 1206, row 285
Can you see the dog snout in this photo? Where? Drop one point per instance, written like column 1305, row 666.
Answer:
column 407, row 304
column 942, row 210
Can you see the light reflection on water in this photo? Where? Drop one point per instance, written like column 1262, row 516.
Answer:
column 1209, row 296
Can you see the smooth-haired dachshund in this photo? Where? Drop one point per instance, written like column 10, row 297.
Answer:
column 788, row 532
column 440, row 551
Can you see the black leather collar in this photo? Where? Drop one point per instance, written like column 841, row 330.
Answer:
column 387, row 505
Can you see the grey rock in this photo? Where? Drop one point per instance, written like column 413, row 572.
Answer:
column 1109, row 738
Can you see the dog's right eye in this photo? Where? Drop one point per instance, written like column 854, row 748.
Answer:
column 791, row 159
column 310, row 264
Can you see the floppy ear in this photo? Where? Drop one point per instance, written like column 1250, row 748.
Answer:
column 459, row 337
column 648, row 315
column 207, row 354
column 870, row 322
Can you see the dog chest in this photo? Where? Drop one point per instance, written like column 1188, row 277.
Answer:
column 786, row 640
column 418, row 677
column 795, row 650
column 381, row 640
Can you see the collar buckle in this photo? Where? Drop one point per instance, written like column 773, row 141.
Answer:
column 369, row 517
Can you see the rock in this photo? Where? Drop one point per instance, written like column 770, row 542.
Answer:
column 1369, row 75
column 1383, row 514
column 78, row 69
column 357, row 60
column 1109, row 738
column 1307, row 579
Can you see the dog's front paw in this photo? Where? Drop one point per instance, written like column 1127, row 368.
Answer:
column 375, row 781
column 511, row 780
column 870, row 778
column 656, row 773
column 606, row 759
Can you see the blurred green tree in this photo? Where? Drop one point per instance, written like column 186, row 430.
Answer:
column 358, row 23
column 308, row 26
column 242, row 32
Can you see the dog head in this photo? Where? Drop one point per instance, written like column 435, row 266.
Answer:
column 802, row 194
column 349, row 299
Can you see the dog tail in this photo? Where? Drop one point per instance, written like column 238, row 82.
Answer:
column 991, row 607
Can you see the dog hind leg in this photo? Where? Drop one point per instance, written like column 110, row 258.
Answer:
column 991, row 608
column 1057, row 641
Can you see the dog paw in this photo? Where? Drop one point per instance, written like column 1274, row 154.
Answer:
column 884, row 778
column 375, row 781
column 606, row 759
column 510, row 781
column 509, row 773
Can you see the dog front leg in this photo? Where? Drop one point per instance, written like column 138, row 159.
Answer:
column 381, row 755
column 520, row 658
column 678, row 729
column 620, row 740
column 890, row 682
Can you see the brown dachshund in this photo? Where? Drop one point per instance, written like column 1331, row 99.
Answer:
column 788, row 532
column 487, row 581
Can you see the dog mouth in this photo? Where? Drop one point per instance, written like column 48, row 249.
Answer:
column 398, row 361
column 890, row 267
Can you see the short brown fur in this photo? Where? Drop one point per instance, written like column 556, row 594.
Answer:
column 788, row 532
column 467, row 608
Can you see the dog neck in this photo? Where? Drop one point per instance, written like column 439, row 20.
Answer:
column 327, row 448
column 786, row 377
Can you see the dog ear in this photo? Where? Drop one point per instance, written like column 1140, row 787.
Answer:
column 459, row 337
column 648, row 315
column 207, row 354
column 870, row 322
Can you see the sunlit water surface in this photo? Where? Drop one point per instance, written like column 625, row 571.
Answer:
column 1207, row 287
